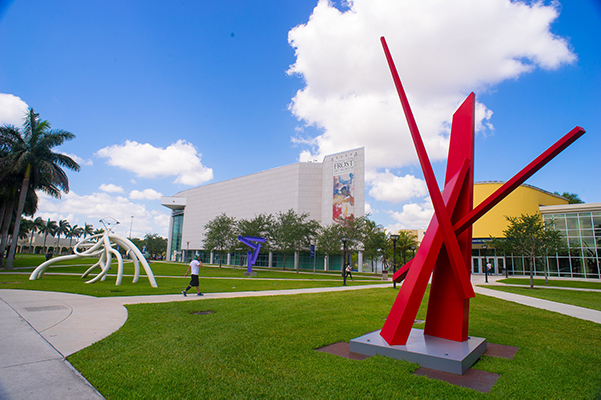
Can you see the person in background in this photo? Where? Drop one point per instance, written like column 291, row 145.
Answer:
column 193, row 269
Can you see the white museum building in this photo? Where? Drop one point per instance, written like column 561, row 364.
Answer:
column 325, row 190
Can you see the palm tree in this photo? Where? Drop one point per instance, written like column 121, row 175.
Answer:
column 87, row 230
column 24, row 229
column 36, row 225
column 8, row 198
column 74, row 231
column 30, row 153
column 48, row 228
column 62, row 229
column 405, row 242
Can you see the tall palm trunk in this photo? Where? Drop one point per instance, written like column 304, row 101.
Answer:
column 5, row 225
column 44, row 245
column 31, row 240
column 2, row 210
column 22, row 196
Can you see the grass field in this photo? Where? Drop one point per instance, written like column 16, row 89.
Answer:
column 265, row 348
column 538, row 282
column 66, row 277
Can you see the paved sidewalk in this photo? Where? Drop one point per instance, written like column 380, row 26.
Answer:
column 39, row 329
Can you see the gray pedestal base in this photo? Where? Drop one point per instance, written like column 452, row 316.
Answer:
column 250, row 273
column 428, row 351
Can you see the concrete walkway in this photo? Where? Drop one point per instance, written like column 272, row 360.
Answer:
column 561, row 308
column 39, row 329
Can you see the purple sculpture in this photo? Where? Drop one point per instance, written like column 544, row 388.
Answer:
column 251, row 257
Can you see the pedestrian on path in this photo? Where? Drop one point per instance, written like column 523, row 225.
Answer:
column 193, row 268
column 349, row 271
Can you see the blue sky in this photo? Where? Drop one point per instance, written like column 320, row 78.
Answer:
column 163, row 96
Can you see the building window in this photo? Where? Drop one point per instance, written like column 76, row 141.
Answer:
column 176, row 232
column 582, row 234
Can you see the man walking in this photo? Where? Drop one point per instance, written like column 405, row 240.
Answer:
column 193, row 268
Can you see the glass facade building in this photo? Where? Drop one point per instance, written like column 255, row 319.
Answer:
column 580, row 227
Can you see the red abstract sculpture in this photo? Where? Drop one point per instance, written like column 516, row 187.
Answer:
column 447, row 244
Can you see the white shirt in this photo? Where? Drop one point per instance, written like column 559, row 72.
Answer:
column 195, row 265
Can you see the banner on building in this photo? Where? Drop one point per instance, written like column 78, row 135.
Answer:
column 344, row 185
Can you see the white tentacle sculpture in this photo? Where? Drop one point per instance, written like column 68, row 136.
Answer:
column 101, row 245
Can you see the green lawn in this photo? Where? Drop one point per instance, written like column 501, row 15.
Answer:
column 264, row 348
column 74, row 284
column 66, row 277
column 159, row 268
column 592, row 284
column 574, row 297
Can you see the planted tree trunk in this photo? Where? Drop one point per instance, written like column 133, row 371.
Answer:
column 531, row 273
column 4, row 234
column 22, row 196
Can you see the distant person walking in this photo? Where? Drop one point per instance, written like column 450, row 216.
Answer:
column 348, row 271
column 193, row 268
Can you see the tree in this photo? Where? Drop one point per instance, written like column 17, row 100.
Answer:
column 293, row 232
column 329, row 240
column 573, row 198
column 62, row 228
column 376, row 241
column 155, row 245
column 37, row 225
column 354, row 228
column 260, row 226
column 74, row 231
column 87, row 230
column 220, row 234
column 139, row 243
column 9, row 196
column 25, row 227
column 48, row 228
column 530, row 237
column 30, row 154
column 404, row 243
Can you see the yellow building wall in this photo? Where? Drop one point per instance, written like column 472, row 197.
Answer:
column 523, row 200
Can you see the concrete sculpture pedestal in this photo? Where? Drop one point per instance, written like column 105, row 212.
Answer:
column 428, row 351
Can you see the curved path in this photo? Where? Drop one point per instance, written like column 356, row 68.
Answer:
column 39, row 329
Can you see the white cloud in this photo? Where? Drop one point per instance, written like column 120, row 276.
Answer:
column 79, row 160
column 442, row 50
column 91, row 208
column 413, row 216
column 162, row 220
column 146, row 194
column 180, row 159
column 111, row 188
column 12, row 110
column 389, row 187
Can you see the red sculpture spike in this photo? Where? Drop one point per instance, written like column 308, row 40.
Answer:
column 448, row 239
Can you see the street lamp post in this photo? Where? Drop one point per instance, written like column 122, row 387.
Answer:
column 313, row 243
column 484, row 247
column 394, row 239
column 344, row 240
